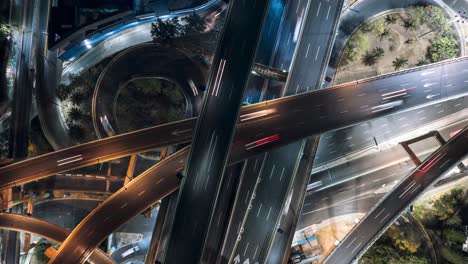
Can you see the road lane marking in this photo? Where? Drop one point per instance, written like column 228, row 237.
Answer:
column 356, row 247
column 385, row 217
column 351, row 242
column 307, row 51
column 73, row 157
column 445, row 163
column 379, row 213
column 259, row 209
column 268, row 215
column 282, row 173
column 125, row 204
column 142, row 192
column 328, row 12
column 316, row 54
column 246, row 247
column 318, row 9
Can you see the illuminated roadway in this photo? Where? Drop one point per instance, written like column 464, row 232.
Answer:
column 161, row 179
column 396, row 201
column 51, row 232
column 290, row 118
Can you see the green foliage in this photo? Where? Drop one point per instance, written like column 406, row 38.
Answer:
column 453, row 237
column 76, row 132
column 384, row 34
column 163, row 31
column 377, row 27
column 421, row 62
column 443, row 48
column 451, row 256
column 356, row 45
column 5, row 31
column 416, row 18
column 438, row 20
column 383, row 254
column 39, row 251
column 391, row 20
column 75, row 113
column 194, row 24
column 371, row 57
column 405, row 240
column 399, row 62
column 447, row 205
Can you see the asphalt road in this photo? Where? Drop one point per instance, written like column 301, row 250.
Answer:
column 151, row 186
column 51, row 232
column 214, row 132
column 265, row 125
column 22, row 92
column 394, row 203
column 259, row 218
column 154, row 61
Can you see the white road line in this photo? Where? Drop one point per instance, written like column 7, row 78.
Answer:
column 318, row 9
column 316, row 54
column 70, row 161
column 307, row 51
column 379, row 213
column 356, row 247
column 419, row 186
column 268, row 215
column 385, row 217
column 282, row 173
column 445, row 163
column 246, row 247
column 60, row 161
column 328, row 12
column 259, row 209
column 352, row 241
column 255, row 253
column 272, row 170
column 142, row 192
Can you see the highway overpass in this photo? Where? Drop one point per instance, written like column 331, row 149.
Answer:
column 267, row 125
column 51, row 232
column 389, row 208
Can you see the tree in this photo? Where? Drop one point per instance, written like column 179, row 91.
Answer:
column 443, row 48
column 409, row 41
column 410, row 24
column 451, row 256
column 77, row 97
column 163, row 31
column 369, row 59
column 39, row 251
column 377, row 27
column 398, row 63
column 453, row 237
column 384, row 34
column 421, row 62
column 76, row 132
column 378, row 52
column 75, row 113
column 193, row 24
column 390, row 19
column 355, row 46
column 403, row 240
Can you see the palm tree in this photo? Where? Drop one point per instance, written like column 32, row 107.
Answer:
column 390, row 19
column 399, row 62
column 75, row 113
column 422, row 61
column 409, row 41
column 369, row 58
column 378, row 52
column 409, row 24
column 384, row 34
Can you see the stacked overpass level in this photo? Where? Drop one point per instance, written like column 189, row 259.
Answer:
column 291, row 118
column 134, row 198
column 51, row 232
column 396, row 201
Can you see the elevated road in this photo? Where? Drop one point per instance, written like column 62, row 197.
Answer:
column 269, row 124
column 205, row 168
column 51, row 232
column 396, row 201
column 151, row 186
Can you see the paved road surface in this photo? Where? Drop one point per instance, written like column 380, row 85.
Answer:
column 394, row 203
column 214, row 132
column 21, row 223
column 265, row 125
